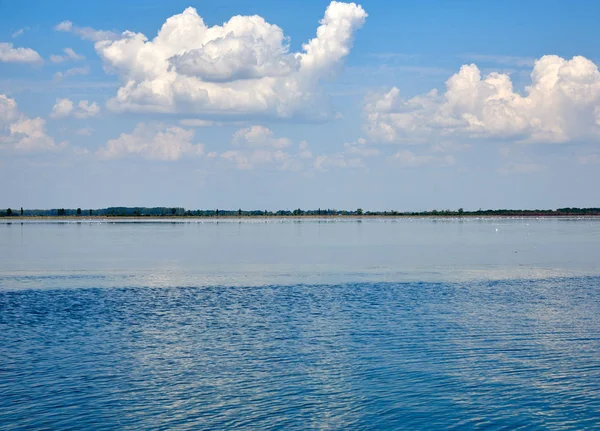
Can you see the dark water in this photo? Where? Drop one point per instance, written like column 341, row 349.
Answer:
column 312, row 324
column 489, row 355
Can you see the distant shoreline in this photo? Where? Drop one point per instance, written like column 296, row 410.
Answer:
column 307, row 217
column 182, row 213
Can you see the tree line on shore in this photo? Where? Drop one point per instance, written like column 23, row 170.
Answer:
column 182, row 212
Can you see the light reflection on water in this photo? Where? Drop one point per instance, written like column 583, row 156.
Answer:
column 255, row 252
column 383, row 324
column 498, row 354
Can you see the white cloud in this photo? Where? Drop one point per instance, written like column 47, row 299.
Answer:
column 85, row 70
column 244, row 48
column 8, row 110
column 70, row 54
column 10, row 54
column 561, row 104
column 23, row 134
column 257, row 145
column 19, row 32
column 259, row 136
column 152, row 142
column 86, row 33
column 30, row 135
column 243, row 67
column 86, row 109
column 64, row 108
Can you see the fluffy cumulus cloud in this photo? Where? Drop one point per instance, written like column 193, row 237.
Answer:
column 10, row 54
column 562, row 104
column 257, row 145
column 30, row 135
column 241, row 67
column 152, row 142
column 64, row 108
column 244, row 48
column 20, row 133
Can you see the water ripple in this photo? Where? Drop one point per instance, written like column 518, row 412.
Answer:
column 510, row 354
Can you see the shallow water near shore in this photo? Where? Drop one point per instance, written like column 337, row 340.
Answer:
column 300, row 324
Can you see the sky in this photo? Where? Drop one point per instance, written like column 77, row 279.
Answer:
column 407, row 105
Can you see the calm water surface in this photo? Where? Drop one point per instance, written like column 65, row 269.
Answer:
column 286, row 324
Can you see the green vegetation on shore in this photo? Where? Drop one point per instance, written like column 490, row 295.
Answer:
column 182, row 212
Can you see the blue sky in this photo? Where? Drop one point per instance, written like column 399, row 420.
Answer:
column 411, row 105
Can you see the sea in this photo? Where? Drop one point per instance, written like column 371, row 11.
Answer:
column 300, row 324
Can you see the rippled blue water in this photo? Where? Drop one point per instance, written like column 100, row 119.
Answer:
column 86, row 344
